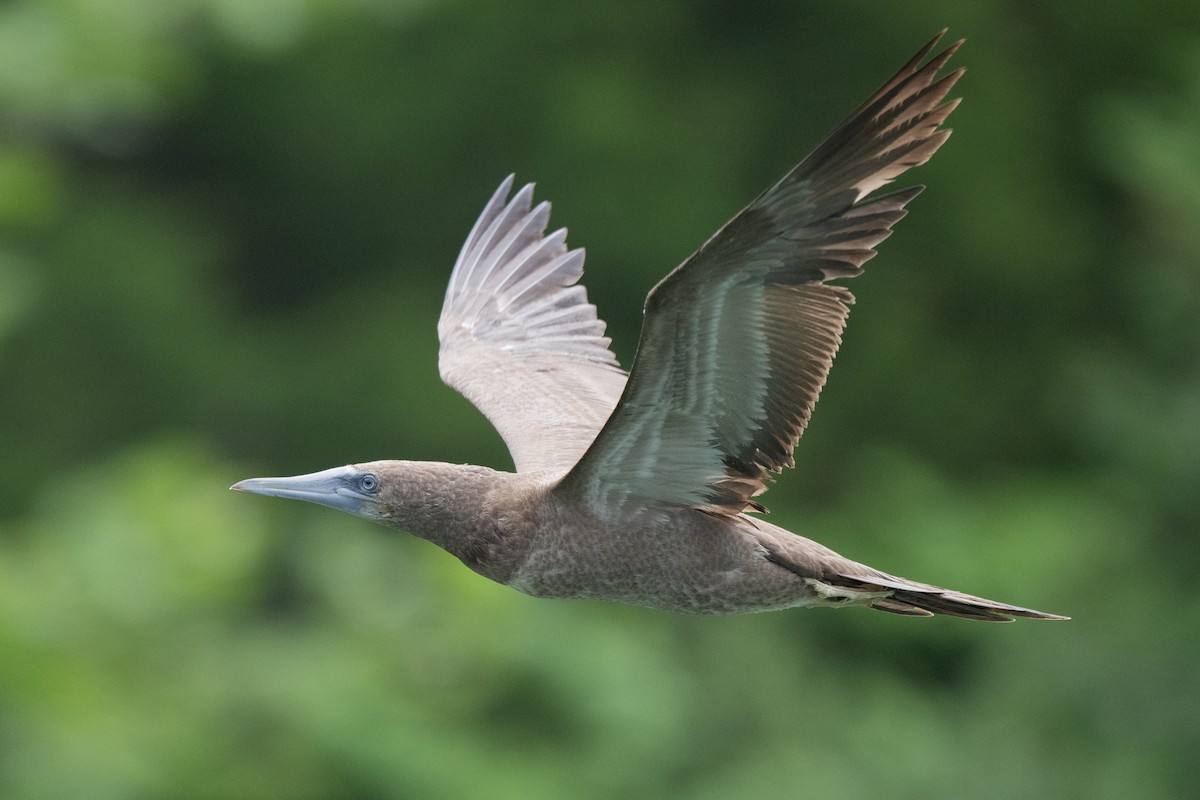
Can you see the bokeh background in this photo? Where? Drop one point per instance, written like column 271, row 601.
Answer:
column 225, row 228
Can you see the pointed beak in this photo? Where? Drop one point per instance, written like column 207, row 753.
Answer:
column 336, row 488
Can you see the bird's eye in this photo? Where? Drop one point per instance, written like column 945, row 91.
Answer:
column 368, row 483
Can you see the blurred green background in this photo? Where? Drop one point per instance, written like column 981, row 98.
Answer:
column 225, row 228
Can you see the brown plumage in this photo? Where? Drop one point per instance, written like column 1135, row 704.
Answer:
column 636, row 488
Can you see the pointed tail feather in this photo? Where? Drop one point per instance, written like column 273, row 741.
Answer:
column 913, row 599
column 837, row 581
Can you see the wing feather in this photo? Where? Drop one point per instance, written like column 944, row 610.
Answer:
column 738, row 340
column 519, row 338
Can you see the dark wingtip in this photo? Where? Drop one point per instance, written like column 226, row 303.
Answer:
column 941, row 57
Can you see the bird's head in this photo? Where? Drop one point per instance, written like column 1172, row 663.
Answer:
column 359, row 489
column 440, row 502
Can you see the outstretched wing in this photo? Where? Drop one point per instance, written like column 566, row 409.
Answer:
column 520, row 340
column 738, row 340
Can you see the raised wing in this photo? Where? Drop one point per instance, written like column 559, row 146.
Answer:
column 520, row 340
column 738, row 340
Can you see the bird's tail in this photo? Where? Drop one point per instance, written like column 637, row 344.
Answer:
column 912, row 599
column 837, row 581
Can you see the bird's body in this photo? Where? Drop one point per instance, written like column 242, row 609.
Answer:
column 532, row 538
column 694, row 564
column 638, row 487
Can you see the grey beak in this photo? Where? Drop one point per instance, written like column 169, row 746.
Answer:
column 336, row 488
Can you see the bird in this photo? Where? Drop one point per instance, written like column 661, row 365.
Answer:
column 642, row 487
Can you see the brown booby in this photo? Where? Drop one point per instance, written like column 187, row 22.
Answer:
column 639, row 487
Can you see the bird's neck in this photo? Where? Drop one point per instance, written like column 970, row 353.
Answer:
column 458, row 507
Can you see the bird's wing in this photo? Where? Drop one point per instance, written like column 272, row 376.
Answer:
column 737, row 341
column 520, row 340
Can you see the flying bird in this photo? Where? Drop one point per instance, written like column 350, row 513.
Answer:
column 639, row 487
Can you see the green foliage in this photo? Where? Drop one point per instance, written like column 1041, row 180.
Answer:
column 225, row 228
